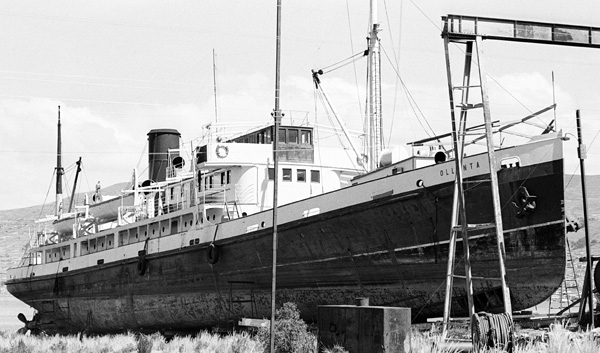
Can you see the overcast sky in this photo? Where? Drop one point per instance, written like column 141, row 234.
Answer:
column 121, row 68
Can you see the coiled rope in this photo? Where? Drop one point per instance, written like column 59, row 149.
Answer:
column 492, row 331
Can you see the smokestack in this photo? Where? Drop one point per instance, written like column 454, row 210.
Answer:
column 159, row 143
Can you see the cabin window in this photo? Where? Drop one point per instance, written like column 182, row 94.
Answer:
column 201, row 154
column 100, row 243
column 287, row 174
column 315, row 176
column 154, row 233
column 305, row 137
column 301, row 175
column 292, row 136
column 223, row 178
column 282, row 135
column 165, row 227
column 122, row 238
column 132, row 236
column 271, row 174
column 188, row 220
column 210, row 181
column 268, row 138
column 228, row 177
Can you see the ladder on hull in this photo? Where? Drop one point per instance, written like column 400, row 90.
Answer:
column 569, row 289
column 460, row 225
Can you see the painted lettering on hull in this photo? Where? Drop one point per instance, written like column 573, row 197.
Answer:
column 466, row 167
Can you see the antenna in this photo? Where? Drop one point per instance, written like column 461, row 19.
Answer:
column 215, row 83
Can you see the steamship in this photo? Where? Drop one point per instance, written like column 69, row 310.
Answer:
column 194, row 250
column 191, row 247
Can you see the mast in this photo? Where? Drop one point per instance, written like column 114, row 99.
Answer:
column 277, row 117
column 374, row 126
column 59, row 172
column 75, row 185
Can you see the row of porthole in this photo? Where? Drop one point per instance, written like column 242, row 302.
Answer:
column 207, row 218
column 163, row 230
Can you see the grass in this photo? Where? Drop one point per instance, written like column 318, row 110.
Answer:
column 130, row 343
column 556, row 339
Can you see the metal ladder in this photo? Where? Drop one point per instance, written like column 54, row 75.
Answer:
column 460, row 224
column 568, row 285
column 249, row 299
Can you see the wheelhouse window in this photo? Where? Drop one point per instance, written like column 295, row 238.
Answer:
column 305, row 137
column 315, row 176
column 287, row 174
column 271, row 173
column 282, row 137
column 292, row 136
column 301, row 175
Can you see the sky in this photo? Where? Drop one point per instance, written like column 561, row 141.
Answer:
column 118, row 69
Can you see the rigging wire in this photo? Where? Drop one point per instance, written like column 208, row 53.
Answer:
column 47, row 193
column 397, row 62
column 476, row 63
column 411, row 100
column 354, row 62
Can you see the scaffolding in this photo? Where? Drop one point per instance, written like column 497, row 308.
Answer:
column 470, row 31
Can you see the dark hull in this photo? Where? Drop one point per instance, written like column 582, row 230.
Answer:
column 393, row 249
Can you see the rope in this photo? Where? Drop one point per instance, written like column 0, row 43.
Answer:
column 494, row 331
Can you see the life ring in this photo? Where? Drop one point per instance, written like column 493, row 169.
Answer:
column 212, row 254
column 142, row 262
column 222, row 151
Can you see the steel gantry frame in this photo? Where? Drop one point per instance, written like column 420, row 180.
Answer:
column 471, row 31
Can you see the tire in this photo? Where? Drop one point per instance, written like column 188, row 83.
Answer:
column 141, row 265
column 212, row 254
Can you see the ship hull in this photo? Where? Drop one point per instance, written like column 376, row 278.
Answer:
column 392, row 249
